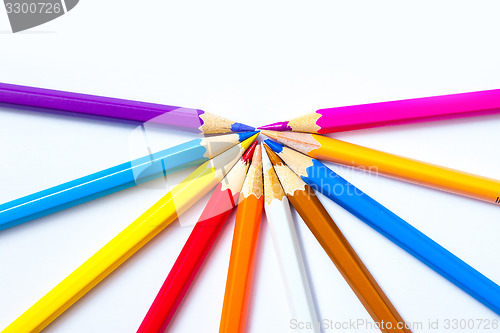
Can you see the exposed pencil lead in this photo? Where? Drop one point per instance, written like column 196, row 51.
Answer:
column 239, row 127
column 276, row 147
column 273, row 157
column 245, row 135
column 249, row 153
column 279, row 126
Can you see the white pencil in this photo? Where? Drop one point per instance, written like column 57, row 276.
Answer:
column 287, row 249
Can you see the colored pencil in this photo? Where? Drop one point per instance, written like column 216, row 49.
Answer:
column 422, row 173
column 129, row 241
column 142, row 112
column 197, row 247
column 320, row 177
column 116, row 178
column 338, row 248
column 243, row 249
column 287, row 247
column 346, row 118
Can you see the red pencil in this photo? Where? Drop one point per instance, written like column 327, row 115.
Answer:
column 196, row 248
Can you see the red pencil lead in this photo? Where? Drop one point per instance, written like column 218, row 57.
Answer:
column 247, row 156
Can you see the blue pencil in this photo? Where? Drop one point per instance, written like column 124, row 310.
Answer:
column 321, row 178
column 116, row 178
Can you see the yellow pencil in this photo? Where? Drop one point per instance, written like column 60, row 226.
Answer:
column 129, row 241
column 422, row 173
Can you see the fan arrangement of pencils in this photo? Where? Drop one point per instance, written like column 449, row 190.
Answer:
column 284, row 172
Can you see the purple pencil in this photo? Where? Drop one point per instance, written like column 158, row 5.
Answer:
column 184, row 118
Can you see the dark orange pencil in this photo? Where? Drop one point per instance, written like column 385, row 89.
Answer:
column 241, row 261
column 338, row 248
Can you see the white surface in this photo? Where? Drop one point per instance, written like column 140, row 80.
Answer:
column 256, row 62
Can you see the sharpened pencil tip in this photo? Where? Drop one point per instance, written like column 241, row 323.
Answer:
column 271, row 134
column 249, row 153
column 245, row 135
column 257, row 155
column 276, row 147
column 248, row 142
column 275, row 159
column 279, row 126
column 239, row 127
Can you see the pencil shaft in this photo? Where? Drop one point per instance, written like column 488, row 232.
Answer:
column 189, row 261
column 375, row 161
column 346, row 118
column 409, row 111
column 126, row 243
column 243, row 249
column 338, row 249
column 404, row 235
column 347, row 261
column 196, row 249
column 90, row 104
column 115, row 179
column 240, row 272
column 422, row 173
column 101, row 263
column 88, row 188
column 184, row 118
column 291, row 263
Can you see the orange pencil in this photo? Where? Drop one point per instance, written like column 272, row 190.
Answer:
column 241, row 262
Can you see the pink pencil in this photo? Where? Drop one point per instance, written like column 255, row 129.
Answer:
column 348, row 118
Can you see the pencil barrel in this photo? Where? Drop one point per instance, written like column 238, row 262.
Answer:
column 404, row 235
column 83, row 103
column 101, row 183
column 347, row 261
column 115, row 252
column 421, row 173
column 241, row 264
column 407, row 111
column 294, row 275
column 188, row 262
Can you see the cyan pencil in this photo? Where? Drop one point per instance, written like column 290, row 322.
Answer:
column 116, row 178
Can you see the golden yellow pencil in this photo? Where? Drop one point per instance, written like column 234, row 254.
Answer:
column 422, row 173
column 129, row 241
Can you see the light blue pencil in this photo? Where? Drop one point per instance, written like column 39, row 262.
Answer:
column 321, row 178
column 116, row 178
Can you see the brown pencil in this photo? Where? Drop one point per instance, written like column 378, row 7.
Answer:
column 338, row 248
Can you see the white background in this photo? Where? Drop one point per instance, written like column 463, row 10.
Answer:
column 256, row 62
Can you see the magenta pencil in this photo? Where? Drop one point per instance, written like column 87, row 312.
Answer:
column 354, row 117
column 114, row 108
